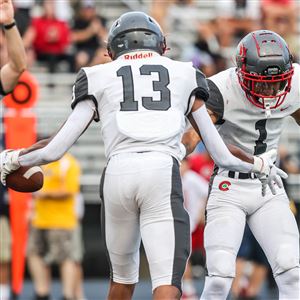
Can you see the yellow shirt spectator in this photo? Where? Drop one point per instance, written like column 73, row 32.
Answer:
column 54, row 203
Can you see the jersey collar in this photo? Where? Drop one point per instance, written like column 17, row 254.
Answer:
column 138, row 55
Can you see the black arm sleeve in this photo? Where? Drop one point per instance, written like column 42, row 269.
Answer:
column 80, row 92
column 202, row 89
column 215, row 102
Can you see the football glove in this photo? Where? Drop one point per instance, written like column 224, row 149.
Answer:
column 272, row 179
column 267, row 172
column 8, row 163
column 262, row 163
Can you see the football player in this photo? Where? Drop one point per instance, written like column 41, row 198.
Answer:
column 11, row 71
column 248, row 104
column 141, row 98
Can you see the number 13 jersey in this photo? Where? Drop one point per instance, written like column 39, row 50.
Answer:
column 141, row 99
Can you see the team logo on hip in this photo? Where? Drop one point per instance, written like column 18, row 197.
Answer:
column 224, row 185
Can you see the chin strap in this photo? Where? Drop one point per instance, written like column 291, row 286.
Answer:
column 267, row 110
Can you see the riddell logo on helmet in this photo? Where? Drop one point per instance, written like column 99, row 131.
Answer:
column 224, row 185
column 138, row 55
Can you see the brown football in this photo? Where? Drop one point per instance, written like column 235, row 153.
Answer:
column 26, row 179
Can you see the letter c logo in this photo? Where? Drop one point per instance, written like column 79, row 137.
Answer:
column 224, row 185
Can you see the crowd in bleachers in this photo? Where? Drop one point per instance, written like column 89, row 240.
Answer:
column 67, row 35
column 215, row 37
column 62, row 35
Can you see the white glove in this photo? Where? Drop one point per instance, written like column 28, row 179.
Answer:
column 272, row 179
column 267, row 172
column 262, row 163
column 8, row 163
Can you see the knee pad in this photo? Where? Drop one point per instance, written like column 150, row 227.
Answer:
column 287, row 258
column 221, row 262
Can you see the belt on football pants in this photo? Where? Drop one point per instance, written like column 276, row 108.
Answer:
column 239, row 175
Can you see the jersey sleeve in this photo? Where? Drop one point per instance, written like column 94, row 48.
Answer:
column 201, row 91
column 81, row 92
column 215, row 102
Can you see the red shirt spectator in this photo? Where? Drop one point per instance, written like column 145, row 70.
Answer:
column 52, row 36
column 202, row 164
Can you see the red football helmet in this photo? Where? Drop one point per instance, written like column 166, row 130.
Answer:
column 264, row 68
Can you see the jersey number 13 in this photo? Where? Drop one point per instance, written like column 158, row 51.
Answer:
column 160, row 85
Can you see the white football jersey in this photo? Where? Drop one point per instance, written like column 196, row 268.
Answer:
column 142, row 99
column 243, row 124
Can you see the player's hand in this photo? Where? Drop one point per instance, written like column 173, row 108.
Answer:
column 262, row 163
column 8, row 162
column 272, row 179
column 267, row 172
column 6, row 12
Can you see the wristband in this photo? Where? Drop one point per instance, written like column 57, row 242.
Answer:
column 9, row 26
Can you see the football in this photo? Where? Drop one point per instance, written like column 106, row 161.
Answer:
column 25, row 179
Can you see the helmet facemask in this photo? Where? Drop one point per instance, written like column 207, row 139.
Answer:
column 266, row 91
column 264, row 68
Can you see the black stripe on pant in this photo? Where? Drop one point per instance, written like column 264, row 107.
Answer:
column 181, row 228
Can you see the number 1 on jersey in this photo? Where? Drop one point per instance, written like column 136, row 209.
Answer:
column 261, row 147
column 160, row 85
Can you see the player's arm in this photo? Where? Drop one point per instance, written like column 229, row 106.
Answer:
column 296, row 116
column 54, row 148
column 84, row 111
column 11, row 71
column 215, row 108
column 205, row 128
column 191, row 138
column 203, row 124
column 76, row 124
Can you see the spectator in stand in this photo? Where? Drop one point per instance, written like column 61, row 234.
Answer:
column 50, row 38
column 235, row 18
column 195, row 192
column 54, row 220
column 202, row 164
column 205, row 52
column 160, row 9
column 281, row 16
column 22, row 14
column 88, row 35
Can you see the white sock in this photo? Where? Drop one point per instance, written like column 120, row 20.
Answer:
column 4, row 292
column 289, row 284
column 216, row 288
